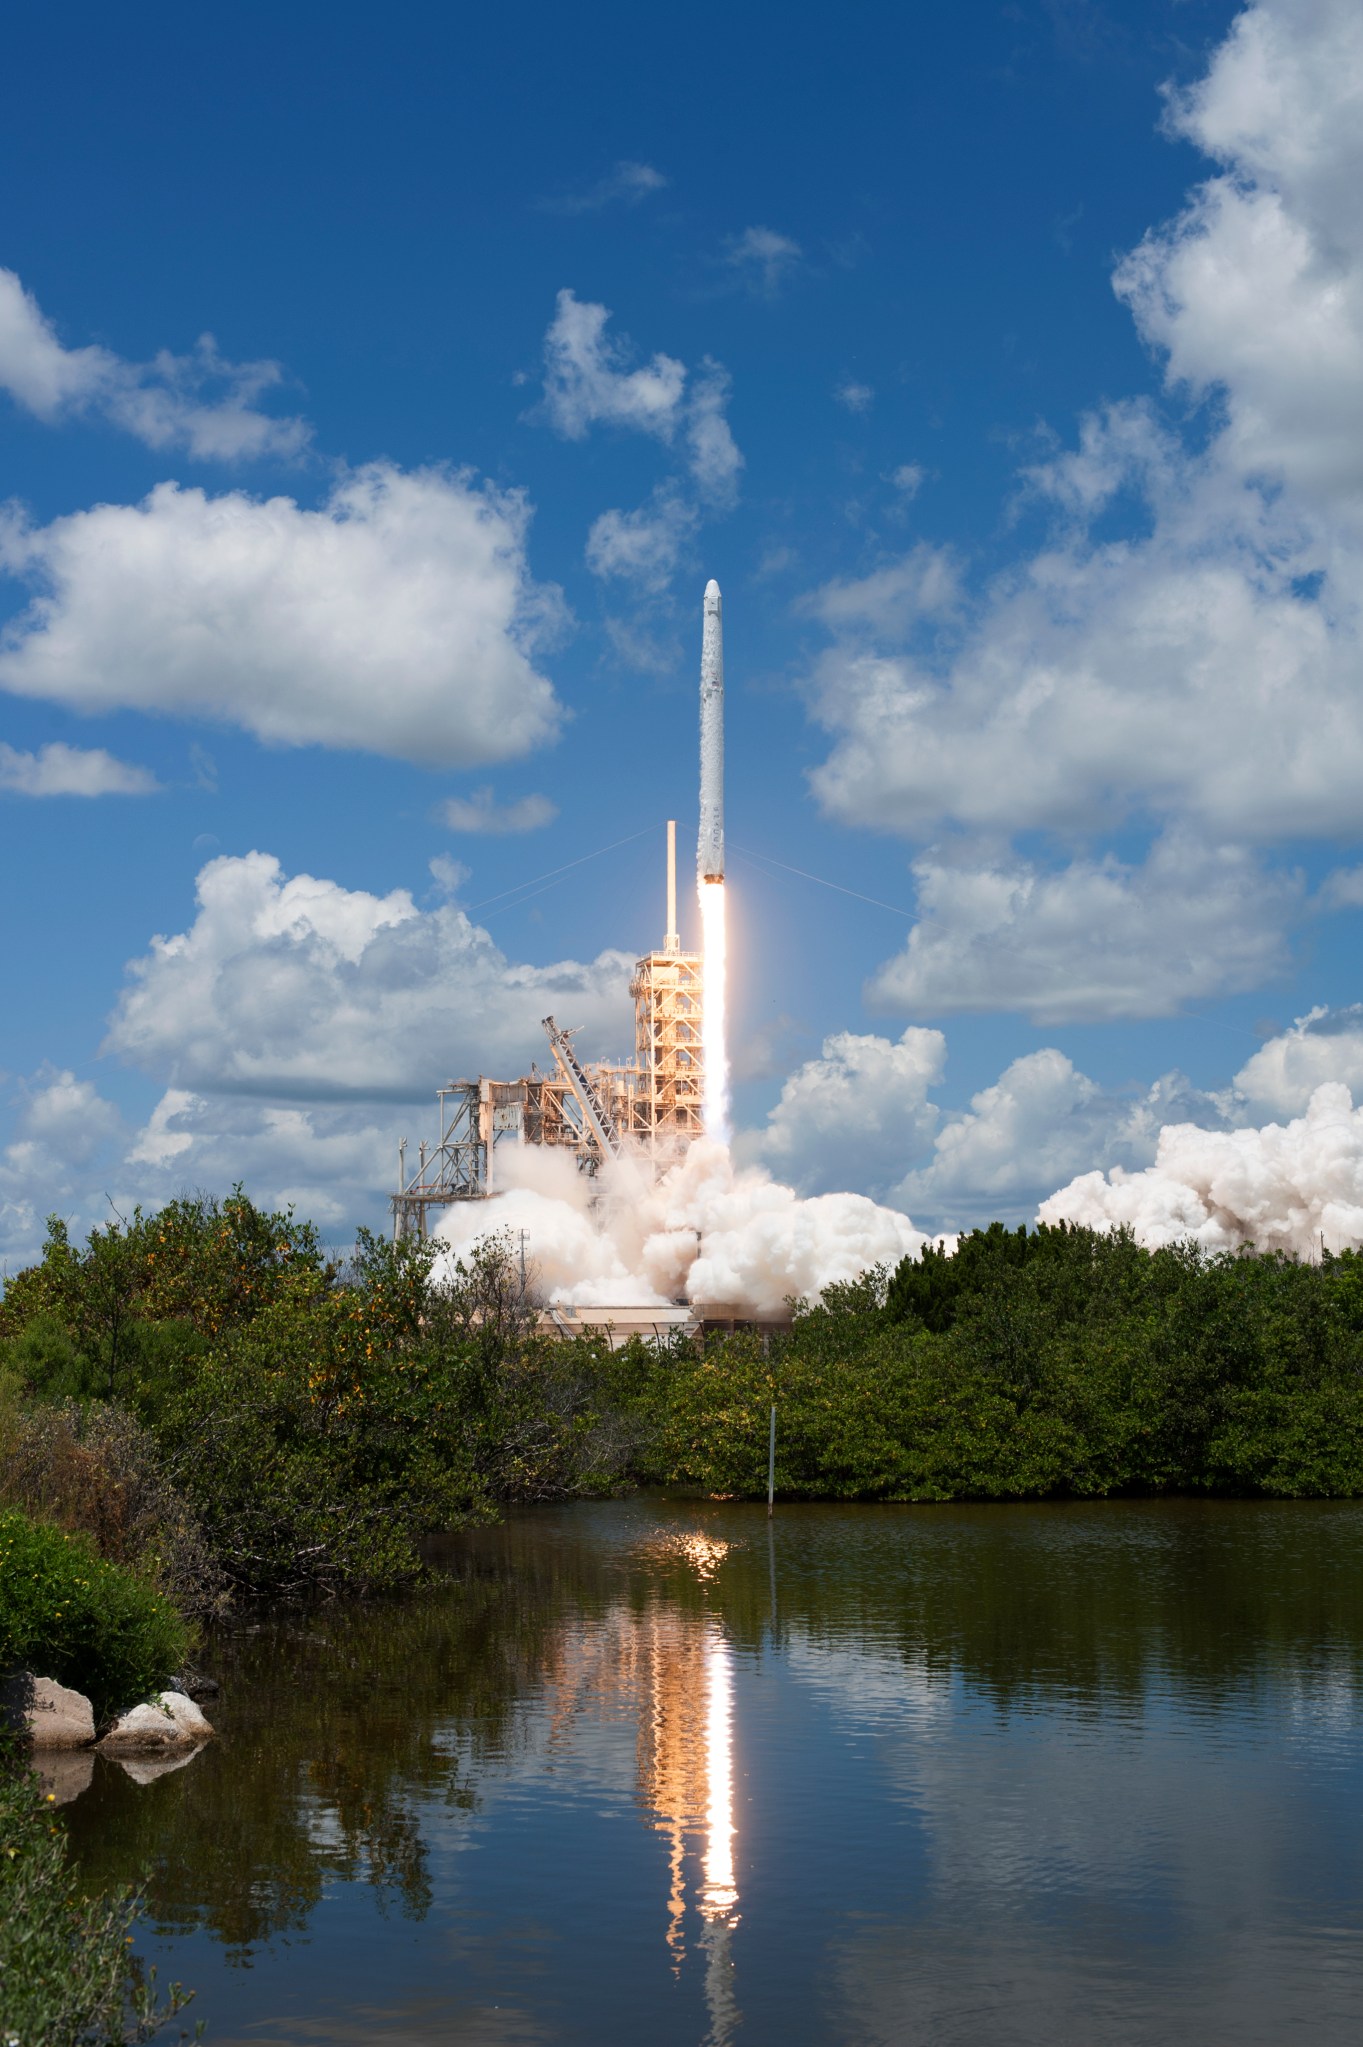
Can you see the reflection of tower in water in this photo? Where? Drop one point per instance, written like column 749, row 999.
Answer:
column 686, row 1778
column 672, row 1671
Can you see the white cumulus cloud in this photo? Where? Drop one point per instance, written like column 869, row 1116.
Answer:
column 482, row 813
column 856, row 1116
column 891, row 599
column 1041, row 1120
column 1324, row 1045
column 1093, row 940
column 590, row 380
column 643, row 547
column 587, row 382
column 1255, row 291
column 295, row 988
column 200, row 402
column 61, row 770
column 1181, row 652
column 399, row 618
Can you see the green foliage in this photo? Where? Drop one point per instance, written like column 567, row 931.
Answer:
column 320, row 1423
column 92, row 1468
column 67, row 1976
column 68, row 1615
column 1055, row 1362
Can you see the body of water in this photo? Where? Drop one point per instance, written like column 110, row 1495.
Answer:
column 662, row 1772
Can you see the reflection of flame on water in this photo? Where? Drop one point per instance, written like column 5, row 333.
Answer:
column 719, row 1895
column 704, row 1553
column 686, row 1774
column 674, row 1672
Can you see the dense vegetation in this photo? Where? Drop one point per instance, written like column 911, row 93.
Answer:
column 214, row 1403
column 67, row 1975
column 309, row 1425
column 67, row 1614
column 1035, row 1364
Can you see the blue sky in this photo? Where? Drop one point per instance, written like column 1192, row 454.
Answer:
column 1004, row 363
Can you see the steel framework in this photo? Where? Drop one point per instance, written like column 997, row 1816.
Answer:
column 595, row 1109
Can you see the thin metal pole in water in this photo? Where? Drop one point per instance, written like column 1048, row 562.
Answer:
column 771, row 1465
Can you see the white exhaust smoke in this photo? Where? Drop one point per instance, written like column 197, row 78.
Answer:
column 1287, row 1187
column 705, row 1231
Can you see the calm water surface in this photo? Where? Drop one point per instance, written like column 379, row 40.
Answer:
column 656, row 1772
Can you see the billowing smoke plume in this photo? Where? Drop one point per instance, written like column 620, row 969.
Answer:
column 704, row 1231
column 1285, row 1187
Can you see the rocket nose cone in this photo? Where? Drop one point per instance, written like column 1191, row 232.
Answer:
column 712, row 594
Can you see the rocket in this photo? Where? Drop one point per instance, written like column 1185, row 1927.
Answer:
column 710, row 847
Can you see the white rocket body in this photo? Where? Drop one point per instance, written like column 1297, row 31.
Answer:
column 710, row 847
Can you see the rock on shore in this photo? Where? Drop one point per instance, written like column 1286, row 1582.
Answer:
column 171, row 1722
column 51, row 1716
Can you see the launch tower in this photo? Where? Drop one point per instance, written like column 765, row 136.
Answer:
column 650, row 1103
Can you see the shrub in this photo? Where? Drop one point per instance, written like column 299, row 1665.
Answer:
column 68, row 1615
column 67, row 1975
column 93, row 1469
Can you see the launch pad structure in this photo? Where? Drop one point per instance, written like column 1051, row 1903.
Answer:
column 595, row 1110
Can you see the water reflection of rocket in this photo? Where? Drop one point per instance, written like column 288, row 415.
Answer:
column 686, row 1776
column 710, row 847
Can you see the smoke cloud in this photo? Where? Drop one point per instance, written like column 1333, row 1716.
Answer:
column 707, row 1230
column 1285, row 1187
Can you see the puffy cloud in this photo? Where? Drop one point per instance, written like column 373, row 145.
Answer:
column 1192, row 675
column 642, row 547
column 1256, row 290
column 624, row 185
column 892, row 599
column 762, row 259
column 1324, row 1045
column 857, row 1115
column 861, row 1116
column 1204, row 667
column 855, row 397
column 713, row 455
column 200, row 402
column 400, row 617
column 61, row 770
column 588, row 382
column 299, row 989
column 1286, row 1187
column 331, row 1164
column 480, row 813
column 74, row 1153
column 1095, row 940
column 64, row 1132
column 1041, row 1120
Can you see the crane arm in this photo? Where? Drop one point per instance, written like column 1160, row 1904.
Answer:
column 594, row 1112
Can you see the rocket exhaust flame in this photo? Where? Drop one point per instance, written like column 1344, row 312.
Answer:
column 713, row 1033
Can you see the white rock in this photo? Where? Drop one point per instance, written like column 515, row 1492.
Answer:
column 170, row 1722
column 52, row 1716
column 186, row 1715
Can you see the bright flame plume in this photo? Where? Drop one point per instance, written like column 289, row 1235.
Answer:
column 713, row 1029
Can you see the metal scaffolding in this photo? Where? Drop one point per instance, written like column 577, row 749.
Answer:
column 596, row 1109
